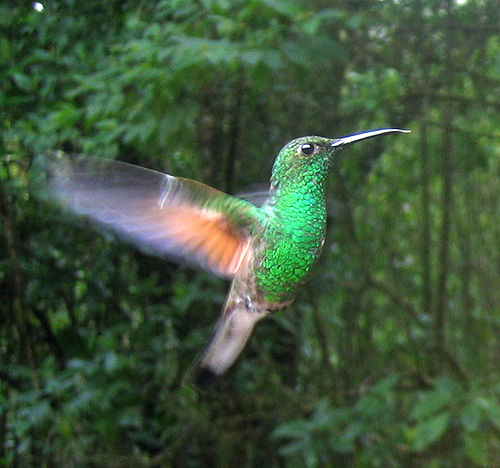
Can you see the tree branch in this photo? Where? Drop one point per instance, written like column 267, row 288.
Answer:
column 446, row 207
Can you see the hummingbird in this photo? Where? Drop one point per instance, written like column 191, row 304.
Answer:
column 266, row 251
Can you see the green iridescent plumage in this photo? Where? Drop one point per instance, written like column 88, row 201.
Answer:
column 267, row 251
column 296, row 218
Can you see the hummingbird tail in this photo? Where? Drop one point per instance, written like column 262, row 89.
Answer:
column 231, row 334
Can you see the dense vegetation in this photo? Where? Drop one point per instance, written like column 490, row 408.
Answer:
column 390, row 356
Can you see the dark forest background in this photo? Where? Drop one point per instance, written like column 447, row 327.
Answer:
column 391, row 354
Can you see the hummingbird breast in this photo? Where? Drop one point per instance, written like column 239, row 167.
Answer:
column 288, row 247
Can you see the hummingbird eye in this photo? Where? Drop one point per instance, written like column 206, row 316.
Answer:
column 308, row 148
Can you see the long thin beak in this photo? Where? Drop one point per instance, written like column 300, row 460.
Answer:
column 347, row 140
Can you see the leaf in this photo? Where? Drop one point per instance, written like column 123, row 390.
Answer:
column 293, row 448
column 385, row 385
column 294, row 430
column 297, row 53
column 471, row 416
column 476, row 448
column 312, row 24
column 288, row 9
column 492, row 409
column 23, row 81
column 433, row 401
column 429, row 431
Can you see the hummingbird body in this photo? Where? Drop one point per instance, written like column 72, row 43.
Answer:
column 296, row 219
column 268, row 251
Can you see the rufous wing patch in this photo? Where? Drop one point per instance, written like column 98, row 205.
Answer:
column 208, row 237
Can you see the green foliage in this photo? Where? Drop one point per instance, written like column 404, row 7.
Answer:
column 364, row 432
column 390, row 355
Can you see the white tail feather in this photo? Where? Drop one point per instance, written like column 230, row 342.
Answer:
column 232, row 333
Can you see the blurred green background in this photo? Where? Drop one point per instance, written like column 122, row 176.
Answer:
column 391, row 354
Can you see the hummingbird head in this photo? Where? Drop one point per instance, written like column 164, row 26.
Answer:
column 310, row 157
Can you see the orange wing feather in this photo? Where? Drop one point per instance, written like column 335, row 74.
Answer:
column 209, row 236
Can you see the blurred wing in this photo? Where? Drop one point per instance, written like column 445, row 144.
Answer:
column 257, row 194
column 172, row 216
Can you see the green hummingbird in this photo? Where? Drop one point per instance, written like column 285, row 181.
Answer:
column 267, row 251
